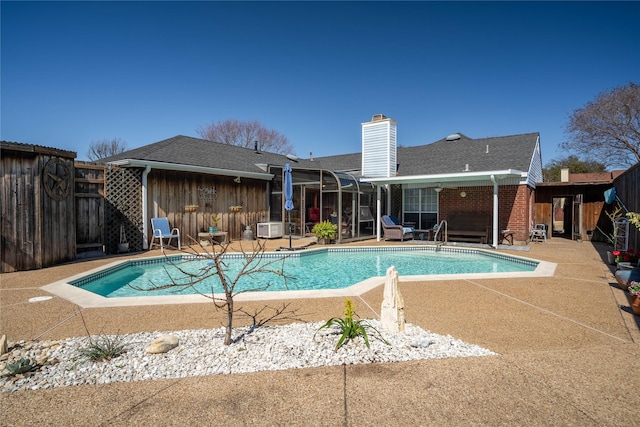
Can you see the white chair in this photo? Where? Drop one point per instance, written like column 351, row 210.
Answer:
column 161, row 231
column 538, row 232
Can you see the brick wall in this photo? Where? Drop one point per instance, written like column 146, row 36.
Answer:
column 514, row 210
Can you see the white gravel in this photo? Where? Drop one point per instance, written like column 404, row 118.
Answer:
column 201, row 352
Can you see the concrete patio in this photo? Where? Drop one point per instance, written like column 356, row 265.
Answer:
column 568, row 348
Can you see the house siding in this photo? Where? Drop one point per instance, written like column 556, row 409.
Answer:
column 513, row 206
column 170, row 192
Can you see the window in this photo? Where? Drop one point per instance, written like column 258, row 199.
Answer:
column 420, row 207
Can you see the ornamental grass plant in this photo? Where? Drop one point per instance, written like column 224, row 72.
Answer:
column 352, row 328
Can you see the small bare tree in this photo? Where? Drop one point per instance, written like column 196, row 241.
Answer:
column 608, row 129
column 105, row 148
column 246, row 134
column 254, row 263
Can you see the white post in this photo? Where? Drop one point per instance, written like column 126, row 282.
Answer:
column 378, row 214
column 495, row 212
column 145, row 213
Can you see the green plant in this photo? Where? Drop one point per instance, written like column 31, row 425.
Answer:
column 634, row 218
column 324, row 230
column 214, row 219
column 104, row 347
column 613, row 216
column 352, row 328
column 634, row 288
column 21, row 366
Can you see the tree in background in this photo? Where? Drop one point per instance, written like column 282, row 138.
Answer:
column 551, row 171
column 105, row 148
column 608, row 128
column 246, row 134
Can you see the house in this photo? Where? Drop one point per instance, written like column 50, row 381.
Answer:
column 456, row 179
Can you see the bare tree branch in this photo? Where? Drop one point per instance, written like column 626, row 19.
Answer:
column 105, row 148
column 246, row 134
column 608, row 129
column 254, row 263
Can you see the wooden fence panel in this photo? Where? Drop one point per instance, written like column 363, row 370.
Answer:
column 20, row 250
column 89, row 205
column 628, row 190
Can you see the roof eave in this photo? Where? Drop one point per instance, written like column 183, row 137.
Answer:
column 190, row 168
column 448, row 177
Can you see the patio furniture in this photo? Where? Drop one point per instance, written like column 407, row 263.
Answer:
column 538, row 232
column 393, row 231
column 507, row 235
column 312, row 219
column 162, row 231
column 219, row 237
column 469, row 227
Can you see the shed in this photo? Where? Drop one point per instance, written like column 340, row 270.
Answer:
column 37, row 206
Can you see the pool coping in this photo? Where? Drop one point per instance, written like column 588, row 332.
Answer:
column 86, row 299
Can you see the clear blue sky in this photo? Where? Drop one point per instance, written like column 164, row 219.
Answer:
column 77, row 72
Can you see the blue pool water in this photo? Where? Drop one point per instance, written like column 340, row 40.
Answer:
column 310, row 270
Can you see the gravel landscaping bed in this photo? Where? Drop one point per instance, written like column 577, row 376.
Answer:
column 201, row 352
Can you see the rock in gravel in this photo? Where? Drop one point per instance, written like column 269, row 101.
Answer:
column 3, row 344
column 162, row 344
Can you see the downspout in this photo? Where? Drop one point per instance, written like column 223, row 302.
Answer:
column 378, row 215
column 145, row 213
column 495, row 212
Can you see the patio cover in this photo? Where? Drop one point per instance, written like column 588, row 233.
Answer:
column 467, row 179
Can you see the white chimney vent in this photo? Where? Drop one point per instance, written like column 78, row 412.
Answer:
column 379, row 147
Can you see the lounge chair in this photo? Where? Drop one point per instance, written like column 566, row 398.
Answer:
column 393, row 231
column 539, row 232
column 161, row 231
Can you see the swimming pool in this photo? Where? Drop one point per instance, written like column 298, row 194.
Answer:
column 312, row 270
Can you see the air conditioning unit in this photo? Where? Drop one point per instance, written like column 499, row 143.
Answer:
column 269, row 230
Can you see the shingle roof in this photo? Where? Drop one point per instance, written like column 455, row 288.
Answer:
column 440, row 157
column 185, row 150
column 483, row 154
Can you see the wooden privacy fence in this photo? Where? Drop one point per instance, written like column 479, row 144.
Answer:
column 628, row 190
column 89, row 203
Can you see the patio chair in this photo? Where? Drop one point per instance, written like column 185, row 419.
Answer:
column 161, row 231
column 537, row 232
column 312, row 219
column 346, row 227
column 314, row 215
column 393, row 231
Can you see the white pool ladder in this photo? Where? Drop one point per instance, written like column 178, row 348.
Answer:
column 438, row 228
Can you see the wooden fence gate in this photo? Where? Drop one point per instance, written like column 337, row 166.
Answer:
column 89, row 205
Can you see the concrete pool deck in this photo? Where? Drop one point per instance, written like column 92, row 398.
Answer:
column 568, row 348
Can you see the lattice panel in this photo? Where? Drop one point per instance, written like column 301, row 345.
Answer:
column 123, row 205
